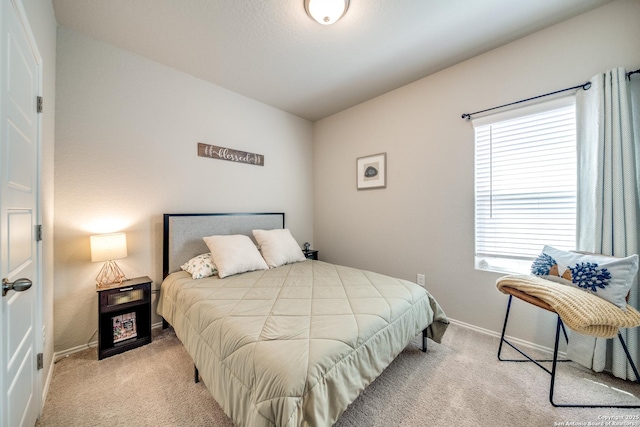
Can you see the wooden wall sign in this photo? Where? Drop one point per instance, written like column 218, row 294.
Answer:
column 222, row 153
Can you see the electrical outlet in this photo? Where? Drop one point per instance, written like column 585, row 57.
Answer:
column 420, row 280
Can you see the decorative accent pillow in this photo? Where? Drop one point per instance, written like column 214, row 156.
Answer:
column 200, row 266
column 234, row 254
column 607, row 277
column 278, row 247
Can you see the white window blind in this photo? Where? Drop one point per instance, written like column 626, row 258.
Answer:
column 525, row 184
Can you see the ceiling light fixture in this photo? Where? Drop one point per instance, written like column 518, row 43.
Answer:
column 326, row 12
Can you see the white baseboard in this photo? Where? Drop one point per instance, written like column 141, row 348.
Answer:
column 156, row 325
column 517, row 341
column 64, row 353
column 47, row 383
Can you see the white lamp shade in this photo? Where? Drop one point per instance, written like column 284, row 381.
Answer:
column 107, row 247
column 326, row 12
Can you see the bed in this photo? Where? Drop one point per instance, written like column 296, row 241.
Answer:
column 292, row 345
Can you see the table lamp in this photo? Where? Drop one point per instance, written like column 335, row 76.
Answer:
column 108, row 247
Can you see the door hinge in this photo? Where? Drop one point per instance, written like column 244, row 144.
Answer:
column 39, row 107
column 40, row 361
column 38, row 232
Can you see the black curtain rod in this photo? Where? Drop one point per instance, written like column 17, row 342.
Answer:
column 632, row 72
column 584, row 86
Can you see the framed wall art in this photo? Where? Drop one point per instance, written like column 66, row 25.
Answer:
column 371, row 171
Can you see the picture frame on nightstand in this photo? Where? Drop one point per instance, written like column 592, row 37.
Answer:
column 124, row 327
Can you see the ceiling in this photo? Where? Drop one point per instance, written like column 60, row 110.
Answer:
column 271, row 51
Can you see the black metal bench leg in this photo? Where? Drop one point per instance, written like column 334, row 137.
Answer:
column 626, row 351
column 196, row 374
column 527, row 357
column 424, row 340
column 504, row 327
column 555, row 359
column 553, row 374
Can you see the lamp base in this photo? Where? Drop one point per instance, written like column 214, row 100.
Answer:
column 109, row 275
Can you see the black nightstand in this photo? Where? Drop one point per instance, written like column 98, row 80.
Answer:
column 124, row 316
column 311, row 254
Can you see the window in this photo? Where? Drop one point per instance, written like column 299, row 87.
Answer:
column 525, row 184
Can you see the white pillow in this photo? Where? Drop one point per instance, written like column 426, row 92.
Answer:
column 234, row 254
column 200, row 266
column 604, row 276
column 278, row 247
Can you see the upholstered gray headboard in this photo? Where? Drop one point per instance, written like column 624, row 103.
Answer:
column 183, row 233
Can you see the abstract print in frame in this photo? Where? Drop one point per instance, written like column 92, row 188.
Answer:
column 371, row 171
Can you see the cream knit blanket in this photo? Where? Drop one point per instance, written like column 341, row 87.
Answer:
column 580, row 310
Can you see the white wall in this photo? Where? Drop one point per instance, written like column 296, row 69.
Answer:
column 126, row 136
column 43, row 24
column 423, row 222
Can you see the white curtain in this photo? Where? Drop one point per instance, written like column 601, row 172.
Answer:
column 608, row 196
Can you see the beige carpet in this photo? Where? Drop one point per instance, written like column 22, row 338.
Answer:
column 457, row 383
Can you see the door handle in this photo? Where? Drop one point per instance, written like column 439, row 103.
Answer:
column 18, row 285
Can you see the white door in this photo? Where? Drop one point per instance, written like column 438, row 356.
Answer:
column 19, row 160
